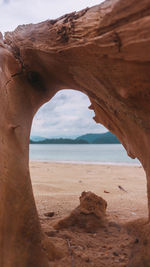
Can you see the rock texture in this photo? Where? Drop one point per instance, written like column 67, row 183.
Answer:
column 89, row 215
column 104, row 52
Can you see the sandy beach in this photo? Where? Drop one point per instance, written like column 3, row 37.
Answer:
column 57, row 187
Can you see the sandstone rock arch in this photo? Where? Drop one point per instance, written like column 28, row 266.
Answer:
column 104, row 52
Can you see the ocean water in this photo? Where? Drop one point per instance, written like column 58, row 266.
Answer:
column 112, row 154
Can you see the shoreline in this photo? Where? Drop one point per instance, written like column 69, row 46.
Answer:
column 126, row 164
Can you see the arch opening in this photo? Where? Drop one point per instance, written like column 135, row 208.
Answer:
column 52, row 181
column 69, row 116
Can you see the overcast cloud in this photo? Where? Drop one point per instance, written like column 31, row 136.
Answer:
column 16, row 12
column 67, row 114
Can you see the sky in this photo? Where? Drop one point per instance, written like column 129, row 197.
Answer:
column 67, row 114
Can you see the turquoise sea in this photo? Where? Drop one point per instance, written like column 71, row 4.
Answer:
column 110, row 154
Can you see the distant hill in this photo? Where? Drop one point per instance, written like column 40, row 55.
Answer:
column 103, row 138
column 90, row 138
column 59, row 141
column 37, row 138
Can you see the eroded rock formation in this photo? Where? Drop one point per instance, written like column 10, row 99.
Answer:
column 104, row 52
column 89, row 215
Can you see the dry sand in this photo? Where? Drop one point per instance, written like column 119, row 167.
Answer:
column 57, row 187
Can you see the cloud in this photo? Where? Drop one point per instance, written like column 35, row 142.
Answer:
column 4, row 2
column 66, row 115
column 17, row 12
